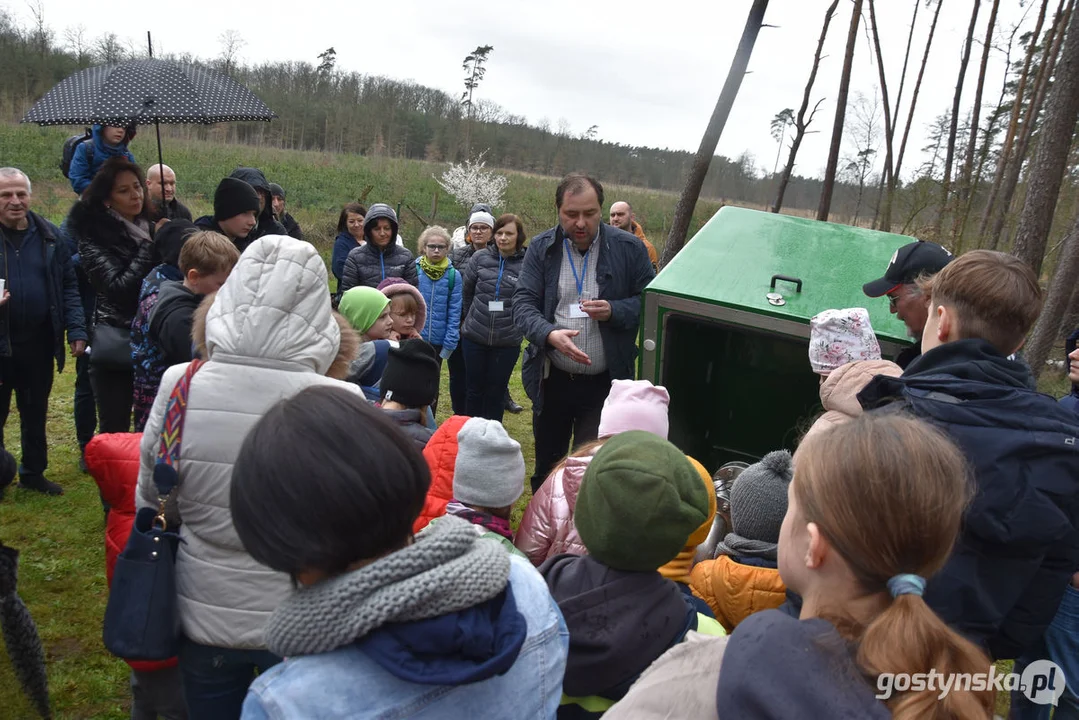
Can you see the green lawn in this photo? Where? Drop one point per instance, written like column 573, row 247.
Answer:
column 62, row 566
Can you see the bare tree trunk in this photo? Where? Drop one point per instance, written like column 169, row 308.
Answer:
column 963, row 189
column 1061, row 290
column 1047, row 168
column 913, row 104
column 1026, row 128
column 887, row 185
column 683, row 213
column 1013, row 124
column 801, row 123
column 888, row 129
column 840, row 115
column 949, row 158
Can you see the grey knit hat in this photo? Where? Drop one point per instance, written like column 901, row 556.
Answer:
column 759, row 498
column 490, row 469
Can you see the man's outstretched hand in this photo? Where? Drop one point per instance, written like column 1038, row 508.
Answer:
column 562, row 341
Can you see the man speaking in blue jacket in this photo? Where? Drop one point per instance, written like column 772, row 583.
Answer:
column 1019, row 544
column 578, row 301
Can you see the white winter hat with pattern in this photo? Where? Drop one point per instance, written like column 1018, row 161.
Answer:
column 838, row 337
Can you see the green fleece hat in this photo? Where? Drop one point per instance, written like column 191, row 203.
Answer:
column 638, row 503
column 361, row 306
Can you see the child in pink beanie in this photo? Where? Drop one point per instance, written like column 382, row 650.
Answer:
column 547, row 526
column 635, row 405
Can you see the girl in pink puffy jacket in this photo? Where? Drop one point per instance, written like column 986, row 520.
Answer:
column 547, row 526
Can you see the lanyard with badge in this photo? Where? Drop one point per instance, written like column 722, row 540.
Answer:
column 575, row 310
column 497, row 305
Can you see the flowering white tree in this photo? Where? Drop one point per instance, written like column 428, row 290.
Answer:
column 470, row 183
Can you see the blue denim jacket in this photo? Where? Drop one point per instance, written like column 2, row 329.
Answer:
column 347, row 683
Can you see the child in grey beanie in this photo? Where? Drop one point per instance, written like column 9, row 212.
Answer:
column 758, row 504
column 488, row 478
column 744, row 576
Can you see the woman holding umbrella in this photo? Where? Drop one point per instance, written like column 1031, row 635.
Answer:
column 116, row 253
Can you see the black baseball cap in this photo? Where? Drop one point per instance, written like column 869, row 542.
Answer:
column 907, row 264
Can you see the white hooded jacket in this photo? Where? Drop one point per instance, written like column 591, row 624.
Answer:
column 269, row 334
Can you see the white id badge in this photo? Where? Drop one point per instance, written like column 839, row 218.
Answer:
column 575, row 311
column 496, row 305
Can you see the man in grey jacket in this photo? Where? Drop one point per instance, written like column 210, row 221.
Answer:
column 578, row 302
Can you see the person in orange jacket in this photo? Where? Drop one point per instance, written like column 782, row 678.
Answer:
column 744, row 576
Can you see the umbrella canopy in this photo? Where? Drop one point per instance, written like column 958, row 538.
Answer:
column 145, row 91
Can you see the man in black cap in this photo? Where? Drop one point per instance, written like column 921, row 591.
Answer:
column 905, row 300
column 292, row 227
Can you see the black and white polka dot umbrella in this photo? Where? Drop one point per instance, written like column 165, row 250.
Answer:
column 146, row 91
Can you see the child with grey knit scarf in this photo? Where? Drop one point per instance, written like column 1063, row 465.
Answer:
column 744, row 576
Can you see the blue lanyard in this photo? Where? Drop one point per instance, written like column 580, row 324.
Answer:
column 382, row 259
column 579, row 279
column 498, row 283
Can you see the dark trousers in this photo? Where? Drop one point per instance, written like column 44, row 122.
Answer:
column 571, row 408
column 458, row 386
column 216, row 679
column 488, row 370
column 113, row 391
column 157, row 694
column 85, row 411
column 28, row 373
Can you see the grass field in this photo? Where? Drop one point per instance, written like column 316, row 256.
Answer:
column 62, row 576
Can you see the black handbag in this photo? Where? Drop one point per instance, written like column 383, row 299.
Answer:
column 141, row 618
column 111, row 348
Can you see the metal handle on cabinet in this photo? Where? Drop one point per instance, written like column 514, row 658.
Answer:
column 787, row 278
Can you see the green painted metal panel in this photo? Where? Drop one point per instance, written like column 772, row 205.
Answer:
column 731, row 261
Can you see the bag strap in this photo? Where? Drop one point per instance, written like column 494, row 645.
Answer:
column 166, row 476
column 453, row 276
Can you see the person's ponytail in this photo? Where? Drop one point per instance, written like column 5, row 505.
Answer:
column 889, row 492
column 909, row 639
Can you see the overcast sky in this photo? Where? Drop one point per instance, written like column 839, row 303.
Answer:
column 645, row 72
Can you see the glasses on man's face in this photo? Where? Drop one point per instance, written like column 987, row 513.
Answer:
column 893, row 301
column 436, row 248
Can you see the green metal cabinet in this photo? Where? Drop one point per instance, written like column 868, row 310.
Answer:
column 736, row 362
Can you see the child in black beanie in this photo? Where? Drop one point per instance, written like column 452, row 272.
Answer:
column 409, row 385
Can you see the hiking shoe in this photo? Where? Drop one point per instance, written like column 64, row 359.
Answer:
column 38, row 483
column 512, row 407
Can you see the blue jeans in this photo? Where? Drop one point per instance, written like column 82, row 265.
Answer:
column 487, row 372
column 216, row 679
column 1060, row 645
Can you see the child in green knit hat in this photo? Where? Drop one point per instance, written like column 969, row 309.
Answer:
column 368, row 312
column 638, row 503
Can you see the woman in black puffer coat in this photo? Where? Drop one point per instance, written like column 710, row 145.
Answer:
column 116, row 251
column 381, row 257
column 490, row 341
